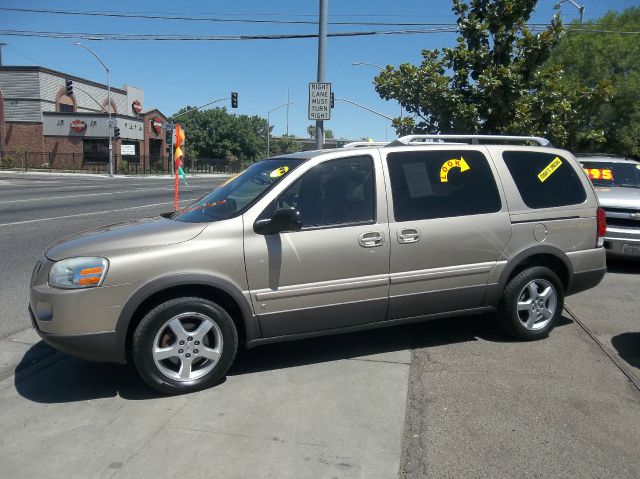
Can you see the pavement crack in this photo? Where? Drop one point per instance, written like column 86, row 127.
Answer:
column 612, row 357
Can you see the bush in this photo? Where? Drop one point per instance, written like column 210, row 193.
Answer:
column 6, row 162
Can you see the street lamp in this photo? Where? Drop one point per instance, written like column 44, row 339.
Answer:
column 381, row 68
column 579, row 7
column 269, row 123
column 110, row 123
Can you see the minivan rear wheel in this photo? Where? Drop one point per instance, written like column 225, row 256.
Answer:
column 531, row 304
column 184, row 345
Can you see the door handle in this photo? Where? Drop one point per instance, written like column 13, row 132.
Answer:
column 371, row 240
column 409, row 235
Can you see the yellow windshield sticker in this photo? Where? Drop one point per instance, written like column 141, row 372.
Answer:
column 279, row 172
column 452, row 163
column 549, row 169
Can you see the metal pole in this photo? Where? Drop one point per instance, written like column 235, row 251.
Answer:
column 268, row 132
column 110, row 124
column 322, row 44
column 1, row 45
column 288, row 103
column 108, row 103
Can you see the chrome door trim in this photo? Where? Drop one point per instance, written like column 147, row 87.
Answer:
column 440, row 273
column 323, row 287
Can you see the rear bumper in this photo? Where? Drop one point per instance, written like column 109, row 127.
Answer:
column 616, row 238
column 586, row 280
column 102, row 346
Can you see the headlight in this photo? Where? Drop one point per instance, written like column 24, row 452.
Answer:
column 76, row 273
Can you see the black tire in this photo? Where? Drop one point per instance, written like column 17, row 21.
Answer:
column 512, row 321
column 148, row 330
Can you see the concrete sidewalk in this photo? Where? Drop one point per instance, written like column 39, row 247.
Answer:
column 326, row 407
column 73, row 174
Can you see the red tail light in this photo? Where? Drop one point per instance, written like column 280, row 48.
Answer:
column 602, row 227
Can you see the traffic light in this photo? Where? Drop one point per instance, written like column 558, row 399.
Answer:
column 116, row 133
column 68, row 84
column 333, row 100
column 234, row 99
column 169, row 138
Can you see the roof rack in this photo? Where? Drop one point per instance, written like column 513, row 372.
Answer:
column 473, row 139
column 365, row 144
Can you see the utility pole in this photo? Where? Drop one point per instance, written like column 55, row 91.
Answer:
column 322, row 44
column 1, row 45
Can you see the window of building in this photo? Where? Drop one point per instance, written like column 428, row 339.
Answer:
column 65, row 103
column 95, row 151
column 334, row 193
column 544, row 180
column 441, row 184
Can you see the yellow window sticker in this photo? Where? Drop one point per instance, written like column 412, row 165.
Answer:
column 447, row 166
column 549, row 169
column 277, row 173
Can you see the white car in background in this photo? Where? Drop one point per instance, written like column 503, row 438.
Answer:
column 617, row 184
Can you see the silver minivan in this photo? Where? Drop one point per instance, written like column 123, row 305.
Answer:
column 326, row 242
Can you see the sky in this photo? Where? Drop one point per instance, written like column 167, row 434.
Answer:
column 174, row 74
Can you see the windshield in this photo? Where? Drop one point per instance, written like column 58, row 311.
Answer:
column 238, row 193
column 604, row 173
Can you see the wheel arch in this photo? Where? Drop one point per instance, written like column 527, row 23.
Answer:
column 542, row 255
column 220, row 290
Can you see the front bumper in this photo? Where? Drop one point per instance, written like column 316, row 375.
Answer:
column 91, row 346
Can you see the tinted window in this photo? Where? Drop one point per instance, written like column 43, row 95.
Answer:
column 609, row 173
column 544, row 180
column 237, row 193
column 336, row 192
column 440, row 184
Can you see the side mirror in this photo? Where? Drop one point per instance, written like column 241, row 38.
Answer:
column 283, row 220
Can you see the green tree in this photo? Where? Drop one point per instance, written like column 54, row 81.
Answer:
column 284, row 144
column 491, row 81
column 215, row 133
column 311, row 131
column 596, row 60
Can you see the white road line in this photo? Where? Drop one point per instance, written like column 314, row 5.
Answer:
column 87, row 194
column 39, row 220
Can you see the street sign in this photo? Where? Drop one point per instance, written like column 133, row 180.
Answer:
column 319, row 101
column 127, row 150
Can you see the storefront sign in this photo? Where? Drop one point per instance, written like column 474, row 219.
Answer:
column 127, row 150
column 156, row 124
column 137, row 106
column 78, row 126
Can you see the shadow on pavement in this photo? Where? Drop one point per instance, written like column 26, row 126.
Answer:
column 628, row 347
column 432, row 333
column 623, row 266
column 67, row 379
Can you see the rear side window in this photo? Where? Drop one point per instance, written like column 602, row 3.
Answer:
column 441, row 184
column 544, row 180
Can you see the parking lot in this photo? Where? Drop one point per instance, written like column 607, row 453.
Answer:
column 446, row 398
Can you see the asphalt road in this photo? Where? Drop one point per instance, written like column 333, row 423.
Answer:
column 36, row 210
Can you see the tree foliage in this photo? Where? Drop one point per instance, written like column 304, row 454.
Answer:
column 491, row 81
column 311, row 131
column 284, row 144
column 595, row 60
column 215, row 133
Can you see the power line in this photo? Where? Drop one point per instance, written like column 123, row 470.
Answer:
column 149, row 16
column 181, row 17
column 180, row 37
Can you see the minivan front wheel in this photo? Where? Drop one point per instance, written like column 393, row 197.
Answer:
column 531, row 304
column 184, row 345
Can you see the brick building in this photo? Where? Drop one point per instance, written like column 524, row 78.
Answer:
column 43, row 126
